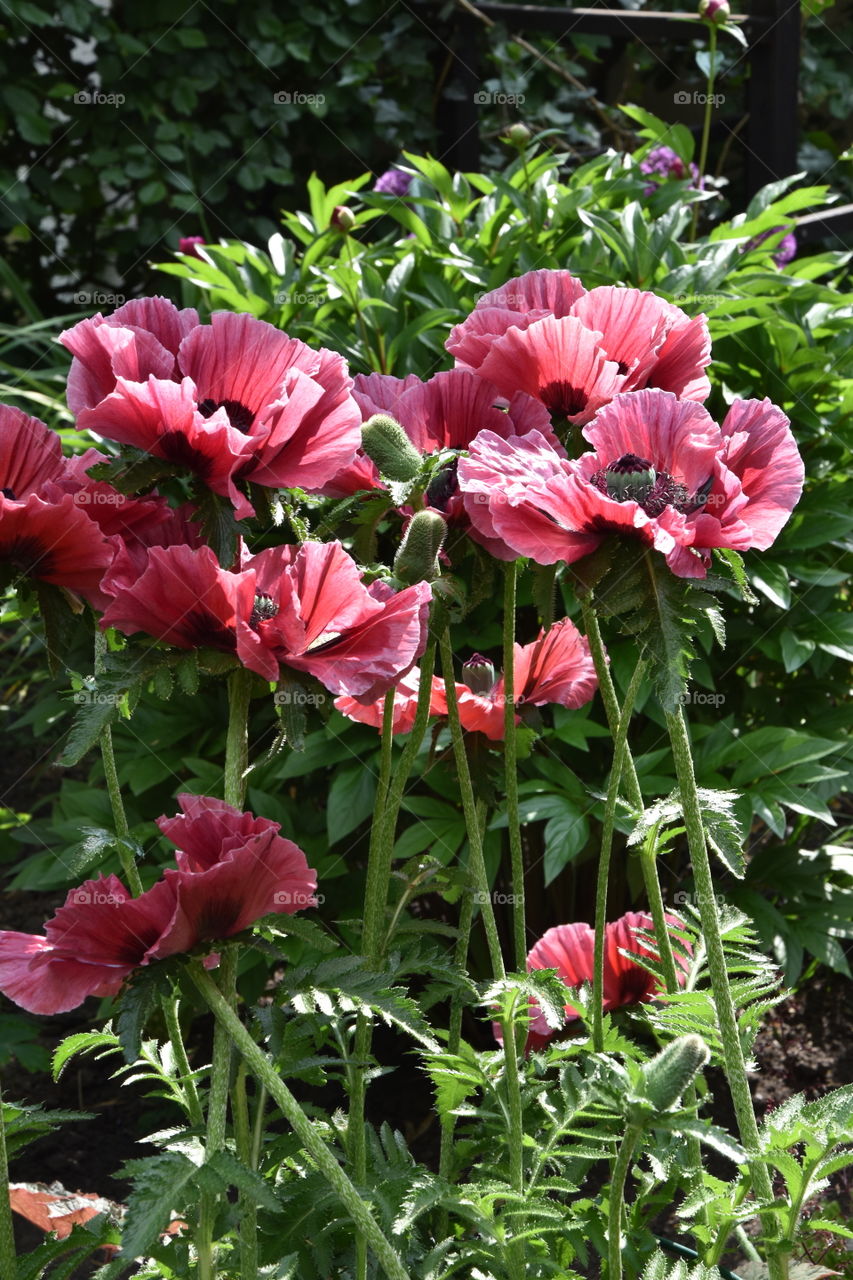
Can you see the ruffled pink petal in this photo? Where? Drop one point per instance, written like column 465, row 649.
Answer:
column 405, row 704
column 159, row 317
column 55, row 542
column 379, row 392
column 368, row 658
column 760, row 449
column 682, row 360
column 205, row 826
column 449, row 410
column 556, row 292
column 558, row 361
column 471, row 341
column 185, row 599
column 632, row 324
column 264, row 875
column 570, row 949
column 626, row 982
column 104, row 352
column 676, row 436
column 30, row 454
column 557, row 668
column 242, row 360
column 162, row 418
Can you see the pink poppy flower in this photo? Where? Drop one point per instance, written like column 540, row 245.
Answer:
column 235, row 399
column 232, row 869
column 574, row 350
column 304, row 607
column 662, row 471
column 54, row 542
column 570, row 949
column 555, row 668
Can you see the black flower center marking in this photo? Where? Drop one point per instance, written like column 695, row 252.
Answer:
column 563, row 398
column 264, row 609
column 29, row 555
column 175, row 447
column 240, row 417
column 8, row 493
column 443, row 486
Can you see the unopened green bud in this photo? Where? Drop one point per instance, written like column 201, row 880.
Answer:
column 386, row 443
column 518, row 135
column 417, row 559
column 342, row 219
column 669, row 1073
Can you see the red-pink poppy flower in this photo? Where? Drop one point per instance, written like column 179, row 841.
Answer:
column 304, row 607
column 150, row 523
column 555, row 668
column 662, row 471
column 233, row 869
column 233, row 399
column 54, row 542
column 570, row 949
column 574, row 350
column 30, row 454
column 313, row 613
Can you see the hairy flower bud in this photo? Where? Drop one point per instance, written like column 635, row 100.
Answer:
column 479, row 674
column 417, row 559
column 386, row 443
column 716, row 11
column 342, row 219
column 670, row 1072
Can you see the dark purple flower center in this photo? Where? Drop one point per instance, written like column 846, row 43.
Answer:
column 240, row 417
column 479, row 675
column 443, row 486
column 561, row 397
column 28, row 555
column 634, row 479
column 8, row 493
column 205, row 631
column 264, row 609
column 175, row 447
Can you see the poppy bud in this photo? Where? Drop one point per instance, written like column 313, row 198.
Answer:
column 342, row 219
column 672, row 1070
column 479, row 674
column 518, row 135
column 386, row 443
column 417, row 559
column 716, row 11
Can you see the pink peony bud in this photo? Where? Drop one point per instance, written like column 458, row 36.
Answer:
column 716, row 11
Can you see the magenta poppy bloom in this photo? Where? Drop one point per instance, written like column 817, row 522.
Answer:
column 232, row 400
column 543, row 333
column 661, row 471
column 304, row 607
column 556, row 668
column 570, row 949
column 232, row 869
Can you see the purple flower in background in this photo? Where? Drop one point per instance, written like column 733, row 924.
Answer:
column 189, row 245
column 393, row 183
column 664, row 163
column 786, row 249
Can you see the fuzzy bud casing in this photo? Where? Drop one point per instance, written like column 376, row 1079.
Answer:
column 386, row 443
column 670, row 1072
column 417, row 559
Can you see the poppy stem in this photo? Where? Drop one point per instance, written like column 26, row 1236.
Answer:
column 735, row 1065
column 170, row 1005
column 380, row 856
column 128, row 865
column 511, row 769
column 617, row 1196
column 243, row 1146
column 706, row 123
column 8, row 1255
column 264, row 1071
column 620, row 748
column 648, row 853
column 237, row 737
column 217, row 1108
